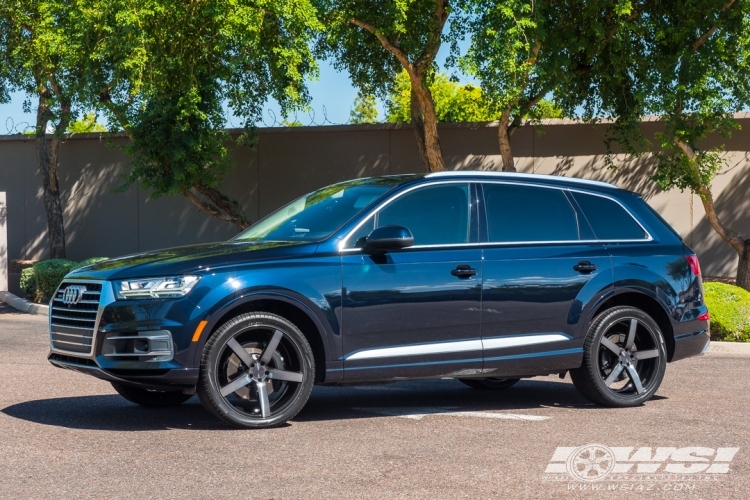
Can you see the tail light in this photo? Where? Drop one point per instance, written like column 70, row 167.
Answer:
column 694, row 264
column 704, row 317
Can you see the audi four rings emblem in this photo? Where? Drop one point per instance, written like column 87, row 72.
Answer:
column 73, row 294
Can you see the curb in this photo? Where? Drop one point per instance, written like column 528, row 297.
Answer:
column 23, row 305
column 729, row 348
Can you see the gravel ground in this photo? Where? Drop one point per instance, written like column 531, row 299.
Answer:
column 65, row 435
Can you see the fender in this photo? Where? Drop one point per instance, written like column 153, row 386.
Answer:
column 331, row 340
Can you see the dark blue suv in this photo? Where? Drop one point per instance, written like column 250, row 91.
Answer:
column 482, row 277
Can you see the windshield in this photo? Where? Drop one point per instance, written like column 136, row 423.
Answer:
column 316, row 215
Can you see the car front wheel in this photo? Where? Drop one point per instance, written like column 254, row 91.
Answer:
column 624, row 359
column 257, row 371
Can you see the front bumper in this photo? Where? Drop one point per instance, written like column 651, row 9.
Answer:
column 184, row 379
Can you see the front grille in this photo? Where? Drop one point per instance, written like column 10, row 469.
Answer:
column 72, row 326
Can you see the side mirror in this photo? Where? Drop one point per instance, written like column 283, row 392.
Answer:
column 388, row 238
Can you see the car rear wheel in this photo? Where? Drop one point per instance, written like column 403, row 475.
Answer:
column 150, row 399
column 489, row 384
column 257, row 371
column 624, row 359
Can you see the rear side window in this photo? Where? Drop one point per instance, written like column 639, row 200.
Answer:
column 526, row 213
column 436, row 215
column 608, row 219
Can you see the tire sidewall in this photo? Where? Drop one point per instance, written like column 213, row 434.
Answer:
column 215, row 346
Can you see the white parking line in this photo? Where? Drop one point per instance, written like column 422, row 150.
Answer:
column 419, row 413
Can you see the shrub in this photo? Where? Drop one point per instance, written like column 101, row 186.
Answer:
column 729, row 306
column 28, row 283
column 89, row 261
column 49, row 274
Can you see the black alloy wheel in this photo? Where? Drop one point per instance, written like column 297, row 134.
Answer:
column 624, row 358
column 257, row 371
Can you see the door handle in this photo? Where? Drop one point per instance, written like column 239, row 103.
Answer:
column 464, row 271
column 584, row 267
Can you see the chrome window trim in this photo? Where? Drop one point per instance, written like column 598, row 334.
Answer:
column 647, row 239
column 106, row 293
column 640, row 240
column 342, row 243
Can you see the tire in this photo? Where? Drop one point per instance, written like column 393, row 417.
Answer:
column 150, row 399
column 489, row 384
column 257, row 371
column 624, row 359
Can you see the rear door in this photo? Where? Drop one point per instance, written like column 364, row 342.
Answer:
column 416, row 312
column 542, row 265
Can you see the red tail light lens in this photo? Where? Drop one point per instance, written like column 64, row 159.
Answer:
column 694, row 265
column 704, row 317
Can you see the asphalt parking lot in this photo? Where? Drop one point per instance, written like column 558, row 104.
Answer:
column 65, row 435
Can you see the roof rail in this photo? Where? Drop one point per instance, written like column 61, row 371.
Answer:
column 516, row 175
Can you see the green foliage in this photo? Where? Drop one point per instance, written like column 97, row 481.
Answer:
column 372, row 68
column 365, row 109
column 453, row 102
column 87, row 124
column 28, row 283
column 49, row 274
column 165, row 69
column 729, row 306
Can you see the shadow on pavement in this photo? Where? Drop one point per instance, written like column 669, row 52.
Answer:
column 112, row 413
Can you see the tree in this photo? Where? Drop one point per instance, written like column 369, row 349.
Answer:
column 524, row 50
column 365, row 110
column 41, row 47
column 453, row 102
column 696, row 76
column 166, row 69
column 374, row 41
column 86, row 125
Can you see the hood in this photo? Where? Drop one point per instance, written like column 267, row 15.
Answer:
column 193, row 259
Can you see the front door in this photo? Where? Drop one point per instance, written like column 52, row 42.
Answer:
column 541, row 265
column 416, row 312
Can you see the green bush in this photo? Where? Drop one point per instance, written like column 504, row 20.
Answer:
column 49, row 274
column 729, row 306
column 90, row 260
column 28, row 283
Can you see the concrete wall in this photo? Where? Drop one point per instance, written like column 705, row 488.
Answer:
column 289, row 162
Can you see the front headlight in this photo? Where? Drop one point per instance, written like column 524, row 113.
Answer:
column 155, row 288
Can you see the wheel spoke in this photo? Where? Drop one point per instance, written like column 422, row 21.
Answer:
column 265, row 358
column 631, row 334
column 611, row 346
column 240, row 352
column 635, row 378
column 235, row 384
column 616, row 371
column 265, row 406
column 284, row 375
column 652, row 353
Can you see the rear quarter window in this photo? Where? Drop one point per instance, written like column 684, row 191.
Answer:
column 608, row 219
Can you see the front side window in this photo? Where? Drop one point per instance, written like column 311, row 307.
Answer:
column 608, row 219
column 318, row 214
column 435, row 215
column 517, row 213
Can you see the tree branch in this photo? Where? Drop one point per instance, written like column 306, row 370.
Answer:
column 432, row 46
column 705, row 36
column 385, row 42
column 707, row 199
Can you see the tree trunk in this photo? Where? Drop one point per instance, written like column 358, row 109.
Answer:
column 219, row 205
column 46, row 153
column 504, row 132
column 743, row 267
column 740, row 245
column 424, row 121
